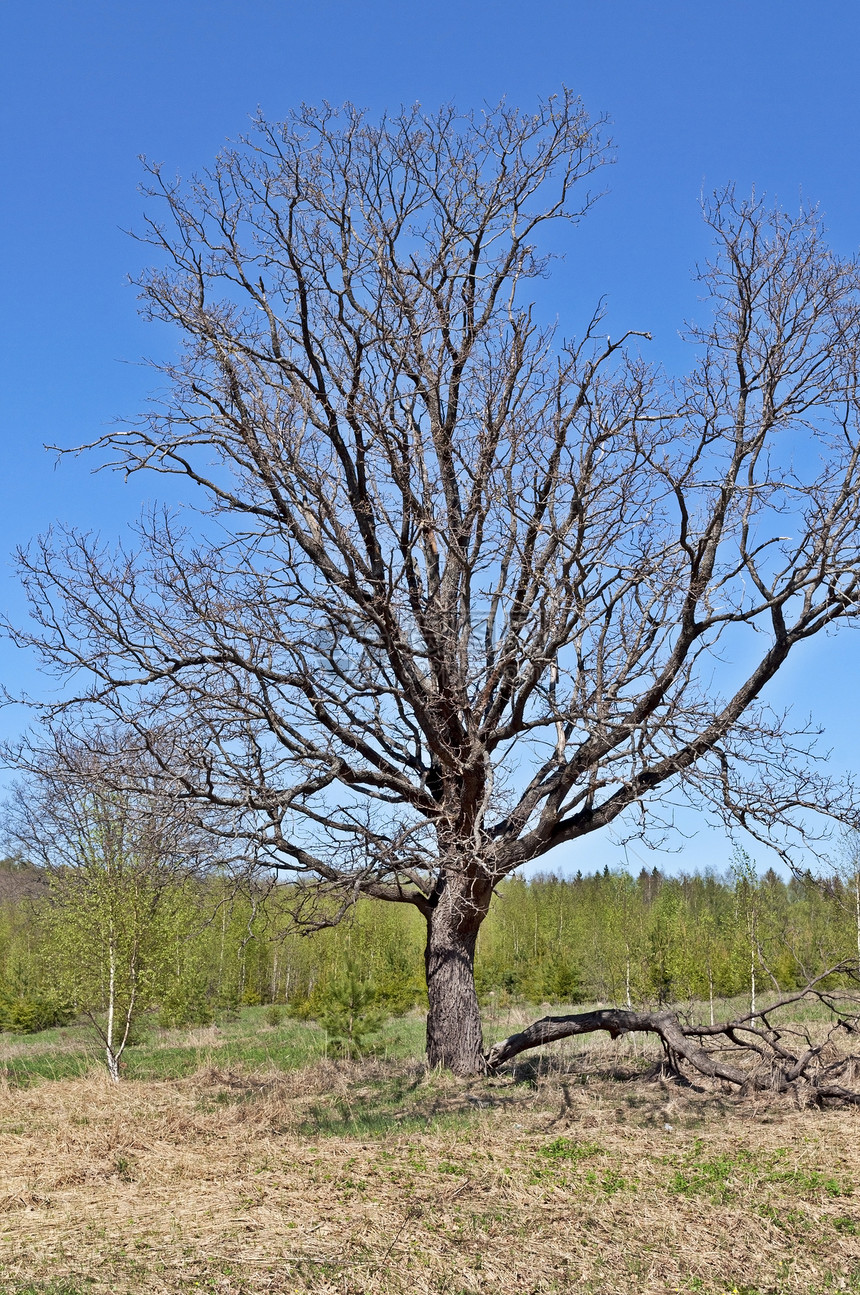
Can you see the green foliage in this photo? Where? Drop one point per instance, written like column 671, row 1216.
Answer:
column 207, row 948
column 102, row 931
column 650, row 939
column 724, row 1176
column 185, row 1002
column 27, row 1008
column 713, row 1177
column 566, row 1149
column 22, row 1014
column 349, row 1008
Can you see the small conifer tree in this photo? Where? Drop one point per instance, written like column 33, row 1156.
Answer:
column 347, row 1006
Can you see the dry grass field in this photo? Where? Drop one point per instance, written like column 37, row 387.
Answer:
column 377, row 1176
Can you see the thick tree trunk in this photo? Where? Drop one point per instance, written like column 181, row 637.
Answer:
column 454, row 1035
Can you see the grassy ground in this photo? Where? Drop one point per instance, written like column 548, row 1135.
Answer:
column 240, row 1038
column 586, row 1173
column 244, row 1038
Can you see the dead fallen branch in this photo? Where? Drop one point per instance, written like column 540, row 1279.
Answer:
column 761, row 1051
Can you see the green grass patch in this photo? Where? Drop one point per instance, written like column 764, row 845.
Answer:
column 559, row 1164
column 565, row 1149
column 23, row 1070
column 725, row 1176
column 245, row 1038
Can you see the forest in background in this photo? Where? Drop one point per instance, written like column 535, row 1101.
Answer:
column 614, row 938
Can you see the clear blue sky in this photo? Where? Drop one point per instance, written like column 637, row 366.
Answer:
column 700, row 92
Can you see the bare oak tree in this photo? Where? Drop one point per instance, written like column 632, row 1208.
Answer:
column 465, row 591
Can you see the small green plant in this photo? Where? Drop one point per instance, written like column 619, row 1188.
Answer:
column 123, row 1168
column 717, row 1176
column 613, row 1182
column 813, row 1180
column 28, row 1014
column 563, row 1153
column 348, row 1008
column 792, row 1221
column 274, row 1015
column 567, row 1149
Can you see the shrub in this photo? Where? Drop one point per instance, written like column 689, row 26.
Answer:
column 185, row 1003
column 349, row 1007
column 26, row 1014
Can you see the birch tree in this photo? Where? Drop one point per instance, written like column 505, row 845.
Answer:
column 115, row 857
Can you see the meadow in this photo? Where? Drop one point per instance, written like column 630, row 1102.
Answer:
column 238, row 1158
column 243, row 1152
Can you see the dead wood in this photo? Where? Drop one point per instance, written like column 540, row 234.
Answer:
column 760, row 1051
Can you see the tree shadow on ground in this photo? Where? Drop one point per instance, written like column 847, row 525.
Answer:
column 375, row 1100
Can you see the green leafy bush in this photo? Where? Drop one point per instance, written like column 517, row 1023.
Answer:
column 26, row 1014
column 185, row 1003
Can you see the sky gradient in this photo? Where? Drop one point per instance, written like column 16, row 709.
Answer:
column 760, row 93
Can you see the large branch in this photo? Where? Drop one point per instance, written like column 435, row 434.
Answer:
column 776, row 1066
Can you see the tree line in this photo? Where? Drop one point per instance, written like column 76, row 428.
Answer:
column 209, row 946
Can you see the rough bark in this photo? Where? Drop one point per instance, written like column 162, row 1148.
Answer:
column 454, row 1033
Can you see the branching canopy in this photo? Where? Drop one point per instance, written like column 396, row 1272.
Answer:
column 467, row 590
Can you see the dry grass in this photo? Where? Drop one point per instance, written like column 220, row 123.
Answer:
column 380, row 1177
